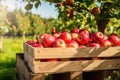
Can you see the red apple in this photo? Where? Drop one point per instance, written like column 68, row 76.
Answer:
column 106, row 43
column 66, row 37
column 74, row 36
column 57, row 35
column 105, row 37
column 31, row 42
column 59, row 43
column 96, row 11
column 41, row 37
column 82, row 46
column 83, row 38
column 75, row 30
column 97, row 37
column 48, row 40
column 114, row 39
column 84, row 31
column 60, row 4
column 39, row 45
column 73, row 44
column 118, row 44
column 92, row 44
column 69, row 2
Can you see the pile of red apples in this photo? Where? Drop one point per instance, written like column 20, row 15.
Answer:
column 76, row 38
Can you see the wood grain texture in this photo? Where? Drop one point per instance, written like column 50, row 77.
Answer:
column 41, row 53
column 88, row 65
column 23, row 71
column 65, row 66
column 84, row 66
column 33, row 55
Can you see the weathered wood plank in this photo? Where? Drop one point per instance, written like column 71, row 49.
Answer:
column 65, row 66
column 23, row 71
column 33, row 55
column 35, row 76
column 76, row 75
column 41, row 53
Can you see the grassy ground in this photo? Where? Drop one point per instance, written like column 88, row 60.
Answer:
column 8, row 57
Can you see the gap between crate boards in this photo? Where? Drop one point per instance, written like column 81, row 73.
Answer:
column 76, row 59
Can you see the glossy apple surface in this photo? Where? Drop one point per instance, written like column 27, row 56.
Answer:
column 96, row 11
column 92, row 44
column 48, row 40
column 97, row 37
column 73, row 44
column 83, row 38
column 115, row 40
column 59, row 43
column 69, row 2
column 66, row 36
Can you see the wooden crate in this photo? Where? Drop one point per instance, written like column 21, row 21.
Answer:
column 110, row 55
column 23, row 72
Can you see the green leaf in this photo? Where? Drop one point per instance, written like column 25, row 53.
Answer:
column 37, row 4
column 28, row 6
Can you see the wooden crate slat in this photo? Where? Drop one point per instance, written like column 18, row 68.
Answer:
column 29, row 59
column 41, row 53
column 75, row 75
column 30, row 62
column 23, row 71
column 66, row 66
column 28, row 49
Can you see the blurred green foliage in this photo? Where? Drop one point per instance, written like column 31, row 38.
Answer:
column 4, row 23
column 26, row 23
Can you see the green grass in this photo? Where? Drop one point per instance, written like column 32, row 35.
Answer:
column 8, row 58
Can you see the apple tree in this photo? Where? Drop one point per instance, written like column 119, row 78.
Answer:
column 11, row 16
column 37, row 24
column 49, row 23
column 23, row 23
column 95, row 15
column 4, row 23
